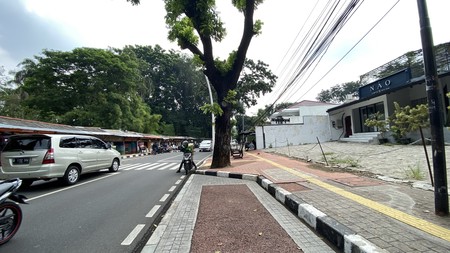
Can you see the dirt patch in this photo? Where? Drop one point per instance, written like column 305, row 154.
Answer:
column 231, row 219
column 323, row 167
column 293, row 187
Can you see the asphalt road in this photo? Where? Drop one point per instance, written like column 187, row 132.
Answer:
column 103, row 212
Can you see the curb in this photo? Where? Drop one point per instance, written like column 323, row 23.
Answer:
column 134, row 155
column 337, row 234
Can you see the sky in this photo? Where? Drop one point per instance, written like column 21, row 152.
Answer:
column 29, row 26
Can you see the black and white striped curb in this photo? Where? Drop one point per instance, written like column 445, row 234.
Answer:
column 139, row 154
column 134, row 155
column 337, row 234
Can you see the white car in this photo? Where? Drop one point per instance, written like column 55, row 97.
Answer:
column 47, row 156
column 205, row 145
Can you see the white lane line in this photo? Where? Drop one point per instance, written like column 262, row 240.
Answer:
column 153, row 166
column 73, row 186
column 130, row 167
column 157, row 165
column 178, row 182
column 165, row 166
column 125, row 165
column 133, row 234
column 172, row 188
column 175, row 167
column 153, row 211
column 164, row 198
column 145, row 166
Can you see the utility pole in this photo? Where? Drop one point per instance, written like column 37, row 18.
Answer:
column 434, row 96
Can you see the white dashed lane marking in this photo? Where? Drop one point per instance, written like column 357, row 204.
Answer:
column 153, row 211
column 133, row 234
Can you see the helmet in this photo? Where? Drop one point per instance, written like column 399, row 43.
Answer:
column 185, row 144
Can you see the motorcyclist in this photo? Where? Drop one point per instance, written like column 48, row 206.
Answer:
column 187, row 147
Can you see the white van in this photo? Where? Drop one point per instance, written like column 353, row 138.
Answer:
column 47, row 156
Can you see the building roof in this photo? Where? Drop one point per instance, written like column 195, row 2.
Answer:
column 304, row 103
column 8, row 124
column 309, row 103
column 16, row 125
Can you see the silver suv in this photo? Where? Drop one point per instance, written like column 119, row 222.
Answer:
column 47, row 156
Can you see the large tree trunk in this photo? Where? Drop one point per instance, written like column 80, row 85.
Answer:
column 221, row 155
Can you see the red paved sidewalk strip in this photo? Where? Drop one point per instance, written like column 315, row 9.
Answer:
column 347, row 208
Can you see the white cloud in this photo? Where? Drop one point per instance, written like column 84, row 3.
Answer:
column 116, row 23
column 106, row 23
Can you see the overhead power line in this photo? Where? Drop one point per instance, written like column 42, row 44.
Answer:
column 325, row 28
column 325, row 42
column 328, row 72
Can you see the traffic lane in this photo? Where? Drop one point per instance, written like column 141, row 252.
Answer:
column 41, row 187
column 175, row 157
column 95, row 216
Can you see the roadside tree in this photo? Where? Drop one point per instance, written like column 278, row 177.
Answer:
column 174, row 87
column 86, row 87
column 338, row 93
column 193, row 22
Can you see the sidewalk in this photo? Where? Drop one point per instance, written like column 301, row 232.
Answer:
column 354, row 213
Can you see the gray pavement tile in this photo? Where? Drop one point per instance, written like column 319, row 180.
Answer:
column 176, row 223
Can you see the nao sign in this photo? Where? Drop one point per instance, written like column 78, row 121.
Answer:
column 382, row 86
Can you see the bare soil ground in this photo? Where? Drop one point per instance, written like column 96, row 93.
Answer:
column 231, row 219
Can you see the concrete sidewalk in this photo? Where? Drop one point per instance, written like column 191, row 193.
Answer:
column 354, row 213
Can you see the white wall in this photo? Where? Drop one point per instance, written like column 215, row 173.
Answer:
column 294, row 134
column 315, row 110
column 296, row 115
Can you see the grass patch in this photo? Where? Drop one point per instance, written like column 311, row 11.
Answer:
column 414, row 172
column 334, row 160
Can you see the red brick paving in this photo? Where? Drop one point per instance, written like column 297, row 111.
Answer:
column 252, row 165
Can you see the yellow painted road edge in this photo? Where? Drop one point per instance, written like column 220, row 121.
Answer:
column 418, row 223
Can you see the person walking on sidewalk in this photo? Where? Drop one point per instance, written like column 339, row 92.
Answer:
column 187, row 147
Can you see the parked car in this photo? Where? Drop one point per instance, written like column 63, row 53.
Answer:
column 205, row 145
column 47, row 156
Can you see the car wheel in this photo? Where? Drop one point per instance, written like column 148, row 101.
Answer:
column 115, row 165
column 72, row 175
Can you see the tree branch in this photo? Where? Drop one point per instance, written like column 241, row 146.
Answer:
column 245, row 41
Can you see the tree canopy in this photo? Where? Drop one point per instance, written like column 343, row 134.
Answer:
column 174, row 87
column 338, row 93
column 86, row 87
column 194, row 25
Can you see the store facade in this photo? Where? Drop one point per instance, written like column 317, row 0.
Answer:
column 379, row 96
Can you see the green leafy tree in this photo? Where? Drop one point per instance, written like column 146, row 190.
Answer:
column 86, row 87
column 193, row 22
column 408, row 119
column 378, row 121
column 174, row 87
column 11, row 97
column 339, row 92
column 256, row 80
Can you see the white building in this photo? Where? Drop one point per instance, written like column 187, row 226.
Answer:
column 310, row 121
column 300, row 123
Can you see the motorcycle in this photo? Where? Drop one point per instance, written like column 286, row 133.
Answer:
column 10, row 211
column 187, row 162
